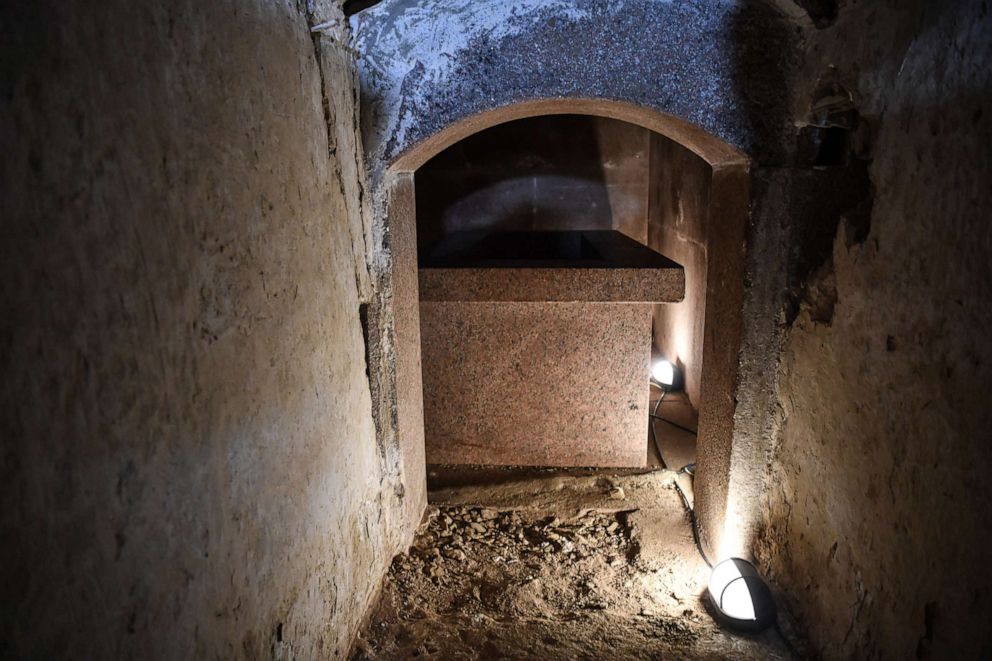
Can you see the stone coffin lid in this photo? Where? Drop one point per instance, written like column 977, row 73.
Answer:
column 566, row 266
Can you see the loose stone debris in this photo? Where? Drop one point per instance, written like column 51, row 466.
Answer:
column 522, row 582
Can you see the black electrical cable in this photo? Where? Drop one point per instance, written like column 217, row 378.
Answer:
column 657, row 404
column 674, row 424
column 692, row 520
column 690, row 470
column 654, row 414
column 699, row 548
column 654, row 434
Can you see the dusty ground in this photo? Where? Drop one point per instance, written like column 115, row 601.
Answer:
column 553, row 564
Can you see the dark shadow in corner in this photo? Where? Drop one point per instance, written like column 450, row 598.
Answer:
column 766, row 55
column 529, row 174
column 826, row 157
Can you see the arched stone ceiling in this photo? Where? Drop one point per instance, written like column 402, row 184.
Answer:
column 427, row 64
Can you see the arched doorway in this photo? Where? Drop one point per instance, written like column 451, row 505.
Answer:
column 697, row 166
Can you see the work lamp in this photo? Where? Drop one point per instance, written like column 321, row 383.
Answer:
column 741, row 598
column 666, row 374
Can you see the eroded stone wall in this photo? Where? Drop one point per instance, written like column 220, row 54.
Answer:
column 190, row 466
column 877, row 525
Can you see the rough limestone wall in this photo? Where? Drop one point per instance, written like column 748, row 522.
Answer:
column 190, row 467
column 878, row 524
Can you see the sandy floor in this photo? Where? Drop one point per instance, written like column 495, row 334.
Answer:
column 553, row 564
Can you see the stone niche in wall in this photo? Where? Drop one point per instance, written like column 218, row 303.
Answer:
column 538, row 293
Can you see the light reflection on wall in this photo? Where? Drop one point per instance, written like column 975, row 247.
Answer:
column 733, row 542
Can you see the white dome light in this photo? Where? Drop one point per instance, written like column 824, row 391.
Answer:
column 665, row 373
column 741, row 597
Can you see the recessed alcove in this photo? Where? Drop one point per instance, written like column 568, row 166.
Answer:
column 544, row 285
column 691, row 190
